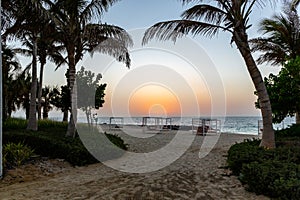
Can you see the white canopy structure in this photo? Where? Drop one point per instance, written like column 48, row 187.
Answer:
column 203, row 126
column 157, row 123
column 116, row 122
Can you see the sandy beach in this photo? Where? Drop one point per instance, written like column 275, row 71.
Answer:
column 189, row 177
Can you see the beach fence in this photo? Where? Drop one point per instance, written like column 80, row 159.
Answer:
column 202, row 126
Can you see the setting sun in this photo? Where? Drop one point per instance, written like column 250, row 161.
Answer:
column 154, row 100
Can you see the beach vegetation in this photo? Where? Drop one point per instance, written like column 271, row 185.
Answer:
column 16, row 84
column 281, row 38
column 78, row 32
column 15, row 154
column 63, row 32
column 27, row 28
column 50, row 141
column 280, row 46
column 271, row 172
column 90, row 92
column 208, row 19
column 284, row 91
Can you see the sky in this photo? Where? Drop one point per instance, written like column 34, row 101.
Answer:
column 196, row 76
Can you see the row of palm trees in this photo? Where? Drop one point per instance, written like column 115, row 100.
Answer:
column 63, row 31
column 17, row 85
column 69, row 28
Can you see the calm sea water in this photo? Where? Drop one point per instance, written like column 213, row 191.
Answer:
column 239, row 125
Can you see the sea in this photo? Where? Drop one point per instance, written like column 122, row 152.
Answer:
column 230, row 124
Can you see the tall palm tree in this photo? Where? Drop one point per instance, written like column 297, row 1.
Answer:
column 207, row 19
column 77, row 33
column 47, row 49
column 282, row 41
column 26, row 26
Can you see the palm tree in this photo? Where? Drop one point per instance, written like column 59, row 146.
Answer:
column 282, row 42
column 10, row 69
column 22, row 84
column 77, row 34
column 48, row 93
column 61, row 100
column 47, row 49
column 26, row 26
column 226, row 15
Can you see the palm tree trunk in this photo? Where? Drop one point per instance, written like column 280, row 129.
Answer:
column 32, row 122
column 241, row 40
column 297, row 117
column 71, row 132
column 45, row 112
column 40, row 92
column 65, row 115
column 87, row 117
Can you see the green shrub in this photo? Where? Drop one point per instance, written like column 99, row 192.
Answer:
column 117, row 140
column 15, row 154
column 14, row 124
column 63, row 148
column 275, row 179
column 292, row 131
column 243, row 153
column 272, row 172
column 50, row 141
column 45, row 124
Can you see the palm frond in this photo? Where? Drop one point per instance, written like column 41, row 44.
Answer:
column 95, row 9
column 97, row 33
column 24, row 52
column 172, row 30
column 57, row 59
column 273, row 53
column 206, row 12
column 112, row 47
column 108, row 39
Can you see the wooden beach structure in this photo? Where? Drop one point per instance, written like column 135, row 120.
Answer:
column 202, row 126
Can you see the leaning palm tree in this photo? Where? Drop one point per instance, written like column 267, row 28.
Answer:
column 77, row 33
column 226, row 15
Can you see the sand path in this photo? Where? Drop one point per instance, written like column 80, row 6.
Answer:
column 187, row 178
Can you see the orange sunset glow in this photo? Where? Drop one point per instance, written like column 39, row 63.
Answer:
column 154, row 100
